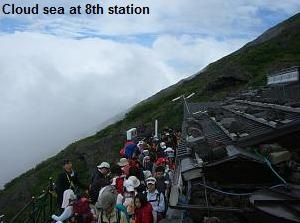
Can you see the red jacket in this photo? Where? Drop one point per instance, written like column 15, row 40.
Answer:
column 143, row 214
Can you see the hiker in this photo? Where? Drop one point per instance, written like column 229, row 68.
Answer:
column 127, row 197
column 162, row 180
column 141, row 146
column 156, row 199
column 68, row 179
column 169, row 152
column 147, row 163
column 153, row 152
column 106, row 202
column 82, row 212
column 120, row 178
column 135, row 169
column 68, row 199
column 143, row 209
column 160, row 150
column 100, row 179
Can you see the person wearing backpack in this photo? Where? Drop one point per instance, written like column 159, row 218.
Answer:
column 68, row 200
column 156, row 199
column 107, row 203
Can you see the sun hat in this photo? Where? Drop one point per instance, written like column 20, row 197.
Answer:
column 169, row 152
column 169, row 149
column 107, row 197
column 123, row 162
column 136, row 182
column 147, row 174
column 128, row 184
column 104, row 165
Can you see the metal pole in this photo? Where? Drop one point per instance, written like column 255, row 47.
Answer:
column 186, row 105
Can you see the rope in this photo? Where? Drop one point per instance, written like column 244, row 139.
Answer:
column 270, row 166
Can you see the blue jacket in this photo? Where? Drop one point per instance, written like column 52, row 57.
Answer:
column 129, row 150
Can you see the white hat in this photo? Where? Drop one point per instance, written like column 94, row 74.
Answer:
column 128, row 184
column 141, row 143
column 170, row 152
column 136, row 182
column 147, row 174
column 104, row 165
column 130, row 188
column 151, row 180
column 163, row 145
column 169, row 149
column 146, row 152
column 123, row 162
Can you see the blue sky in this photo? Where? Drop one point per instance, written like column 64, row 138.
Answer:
column 62, row 76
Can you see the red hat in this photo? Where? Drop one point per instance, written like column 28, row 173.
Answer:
column 160, row 161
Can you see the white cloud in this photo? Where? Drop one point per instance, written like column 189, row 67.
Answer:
column 193, row 53
column 54, row 89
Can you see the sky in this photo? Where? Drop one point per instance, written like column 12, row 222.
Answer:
column 62, row 76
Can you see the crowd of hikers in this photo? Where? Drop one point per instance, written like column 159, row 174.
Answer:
column 136, row 189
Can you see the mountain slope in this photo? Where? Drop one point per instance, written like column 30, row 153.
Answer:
column 277, row 48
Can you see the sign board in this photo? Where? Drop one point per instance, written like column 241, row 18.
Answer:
column 131, row 133
column 286, row 77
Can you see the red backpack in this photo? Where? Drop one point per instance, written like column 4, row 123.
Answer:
column 81, row 206
column 119, row 185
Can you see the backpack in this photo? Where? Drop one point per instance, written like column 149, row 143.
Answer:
column 82, row 211
column 81, row 206
column 119, row 184
column 158, row 201
column 122, row 208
